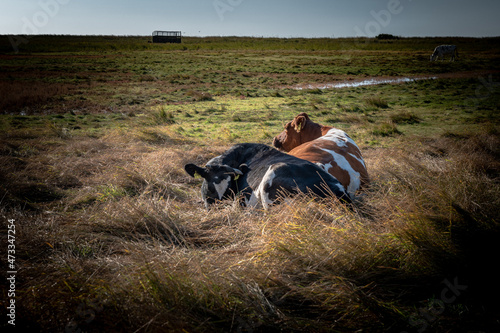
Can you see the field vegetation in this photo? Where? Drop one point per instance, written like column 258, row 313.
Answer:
column 111, row 234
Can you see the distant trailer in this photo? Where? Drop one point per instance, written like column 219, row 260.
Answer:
column 167, row 36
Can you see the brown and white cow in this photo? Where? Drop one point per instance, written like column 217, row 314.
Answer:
column 329, row 147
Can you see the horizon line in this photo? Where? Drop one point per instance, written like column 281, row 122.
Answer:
column 245, row 36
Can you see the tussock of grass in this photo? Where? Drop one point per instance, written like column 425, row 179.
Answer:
column 385, row 129
column 59, row 130
column 405, row 117
column 164, row 117
column 377, row 102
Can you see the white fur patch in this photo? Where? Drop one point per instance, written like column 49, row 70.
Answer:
column 222, row 187
column 326, row 166
column 253, row 201
column 360, row 160
column 339, row 137
column 344, row 164
column 260, row 194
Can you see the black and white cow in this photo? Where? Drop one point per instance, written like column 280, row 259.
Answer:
column 442, row 50
column 261, row 174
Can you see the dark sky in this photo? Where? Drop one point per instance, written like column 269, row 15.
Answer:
column 269, row 18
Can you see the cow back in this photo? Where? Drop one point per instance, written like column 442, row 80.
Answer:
column 339, row 155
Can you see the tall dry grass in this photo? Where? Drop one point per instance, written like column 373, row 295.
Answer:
column 132, row 248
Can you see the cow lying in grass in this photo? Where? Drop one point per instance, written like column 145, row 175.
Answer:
column 442, row 50
column 261, row 174
column 326, row 146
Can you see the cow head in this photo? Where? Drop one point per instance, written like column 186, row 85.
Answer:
column 220, row 181
column 301, row 129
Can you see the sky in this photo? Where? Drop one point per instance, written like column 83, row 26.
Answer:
column 266, row 18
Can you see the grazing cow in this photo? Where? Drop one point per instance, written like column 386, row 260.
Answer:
column 442, row 50
column 261, row 174
column 328, row 147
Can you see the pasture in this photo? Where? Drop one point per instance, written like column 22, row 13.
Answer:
column 111, row 234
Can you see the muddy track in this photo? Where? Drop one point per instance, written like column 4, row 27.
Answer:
column 369, row 81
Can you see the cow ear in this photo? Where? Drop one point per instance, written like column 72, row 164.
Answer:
column 243, row 169
column 238, row 172
column 195, row 171
column 300, row 122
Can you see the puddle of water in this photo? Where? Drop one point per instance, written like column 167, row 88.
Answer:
column 368, row 82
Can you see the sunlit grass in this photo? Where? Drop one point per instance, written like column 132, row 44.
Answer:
column 111, row 232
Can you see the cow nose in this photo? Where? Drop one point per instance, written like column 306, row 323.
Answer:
column 276, row 143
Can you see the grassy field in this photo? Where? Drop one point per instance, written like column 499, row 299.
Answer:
column 111, row 234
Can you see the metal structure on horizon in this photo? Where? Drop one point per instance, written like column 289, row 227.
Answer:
column 167, row 36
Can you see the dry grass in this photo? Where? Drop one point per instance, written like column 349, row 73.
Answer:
column 376, row 102
column 111, row 234
column 31, row 97
column 40, row 92
column 129, row 240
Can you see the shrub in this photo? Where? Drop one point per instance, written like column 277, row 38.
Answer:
column 386, row 36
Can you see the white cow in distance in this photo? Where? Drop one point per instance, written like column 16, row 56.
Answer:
column 442, row 50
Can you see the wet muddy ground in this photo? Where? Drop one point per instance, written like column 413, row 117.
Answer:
column 389, row 80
